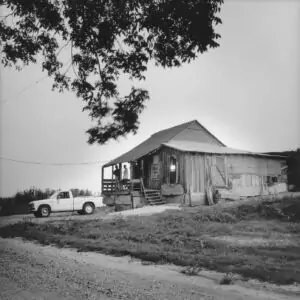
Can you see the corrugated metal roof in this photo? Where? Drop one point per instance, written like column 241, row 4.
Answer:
column 155, row 141
column 187, row 146
column 163, row 137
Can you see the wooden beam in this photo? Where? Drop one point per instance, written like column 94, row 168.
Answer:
column 142, row 168
column 131, row 170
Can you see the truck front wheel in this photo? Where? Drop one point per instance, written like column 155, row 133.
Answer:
column 88, row 208
column 44, row 211
column 37, row 214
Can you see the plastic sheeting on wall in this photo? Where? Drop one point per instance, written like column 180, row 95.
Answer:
column 194, row 172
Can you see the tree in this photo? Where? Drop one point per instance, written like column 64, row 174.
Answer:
column 106, row 38
column 75, row 192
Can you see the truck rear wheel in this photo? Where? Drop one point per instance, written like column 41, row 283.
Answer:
column 44, row 211
column 88, row 208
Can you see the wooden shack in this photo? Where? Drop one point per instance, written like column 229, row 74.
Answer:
column 187, row 164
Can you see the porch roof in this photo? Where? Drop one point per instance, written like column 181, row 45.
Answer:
column 189, row 146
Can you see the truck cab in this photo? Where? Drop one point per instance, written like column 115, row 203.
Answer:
column 63, row 201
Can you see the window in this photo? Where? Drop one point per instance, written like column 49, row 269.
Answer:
column 173, row 170
column 63, row 195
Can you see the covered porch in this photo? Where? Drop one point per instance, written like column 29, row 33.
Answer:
column 131, row 192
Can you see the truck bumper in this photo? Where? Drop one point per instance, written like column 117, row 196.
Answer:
column 31, row 208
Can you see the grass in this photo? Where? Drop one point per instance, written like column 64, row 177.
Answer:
column 191, row 270
column 192, row 238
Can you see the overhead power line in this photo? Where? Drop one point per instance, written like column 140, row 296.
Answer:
column 26, row 88
column 52, row 164
column 34, row 83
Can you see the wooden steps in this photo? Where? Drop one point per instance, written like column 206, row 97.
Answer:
column 136, row 185
column 154, row 197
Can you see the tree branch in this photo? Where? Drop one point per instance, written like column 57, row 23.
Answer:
column 62, row 47
column 120, row 45
column 68, row 68
column 73, row 60
column 5, row 17
column 99, row 67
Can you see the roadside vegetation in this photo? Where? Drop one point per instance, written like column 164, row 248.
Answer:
column 255, row 240
column 18, row 204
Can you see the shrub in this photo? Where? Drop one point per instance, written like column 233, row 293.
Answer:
column 227, row 279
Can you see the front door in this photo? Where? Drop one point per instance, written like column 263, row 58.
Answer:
column 155, row 173
column 63, row 202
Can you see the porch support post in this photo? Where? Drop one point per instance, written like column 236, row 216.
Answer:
column 120, row 168
column 131, row 170
column 102, row 177
column 142, row 168
column 190, row 195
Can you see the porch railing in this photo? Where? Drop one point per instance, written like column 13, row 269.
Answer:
column 108, row 185
column 111, row 186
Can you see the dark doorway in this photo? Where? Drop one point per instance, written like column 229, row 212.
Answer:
column 173, row 170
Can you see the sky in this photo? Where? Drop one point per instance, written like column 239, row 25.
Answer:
column 246, row 92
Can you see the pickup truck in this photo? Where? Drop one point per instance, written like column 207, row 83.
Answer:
column 63, row 201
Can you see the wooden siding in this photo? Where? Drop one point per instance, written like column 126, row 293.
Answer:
column 165, row 157
column 163, row 176
column 216, row 170
column 240, row 175
column 237, row 174
column 242, row 164
column 247, row 174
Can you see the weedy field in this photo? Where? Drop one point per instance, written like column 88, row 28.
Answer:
column 258, row 240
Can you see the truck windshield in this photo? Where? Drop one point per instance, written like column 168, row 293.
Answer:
column 53, row 196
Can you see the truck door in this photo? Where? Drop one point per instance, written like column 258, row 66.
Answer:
column 64, row 202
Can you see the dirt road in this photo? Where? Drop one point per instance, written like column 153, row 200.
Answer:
column 58, row 217
column 32, row 271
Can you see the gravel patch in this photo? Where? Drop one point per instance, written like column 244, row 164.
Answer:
column 31, row 271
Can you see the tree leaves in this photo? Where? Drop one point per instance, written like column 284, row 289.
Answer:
column 106, row 38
